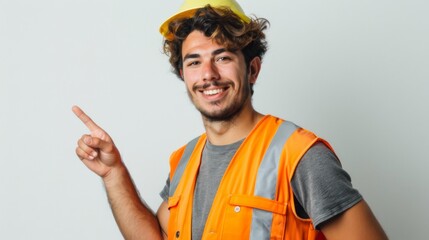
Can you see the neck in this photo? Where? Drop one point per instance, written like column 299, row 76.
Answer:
column 227, row 132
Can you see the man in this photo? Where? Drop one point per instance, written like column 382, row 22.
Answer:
column 249, row 176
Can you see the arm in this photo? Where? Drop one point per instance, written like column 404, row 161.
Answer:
column 134, row 218
column 356, row 223
column 98, row 152
column 324, row 191
column 163, row 215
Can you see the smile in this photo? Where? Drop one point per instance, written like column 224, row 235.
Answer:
column 211, row 92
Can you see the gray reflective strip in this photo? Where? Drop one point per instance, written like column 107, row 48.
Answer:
column 266, row 181
column 182, row 165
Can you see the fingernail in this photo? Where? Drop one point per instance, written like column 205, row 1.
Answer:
column 87, row 140
column 91, row 157
column 94, row 154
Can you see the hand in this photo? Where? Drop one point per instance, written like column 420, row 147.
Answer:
column 96, row 150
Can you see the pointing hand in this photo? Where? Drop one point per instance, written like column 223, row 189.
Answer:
column 96, row 149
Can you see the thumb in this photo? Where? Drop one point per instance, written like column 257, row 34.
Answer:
column 97, row 143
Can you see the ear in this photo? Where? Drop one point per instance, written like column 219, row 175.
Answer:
column 254, row 69
column 181, row 73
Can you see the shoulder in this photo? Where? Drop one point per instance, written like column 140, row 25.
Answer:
column 184, row 153
column 187, row 147
column 322, row 186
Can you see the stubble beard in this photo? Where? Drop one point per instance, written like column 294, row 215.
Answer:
column 229, row 112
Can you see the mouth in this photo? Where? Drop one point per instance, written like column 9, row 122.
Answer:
column 212, row 89
column 211, row 92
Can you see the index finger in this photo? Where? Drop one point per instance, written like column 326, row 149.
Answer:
column 91, row 125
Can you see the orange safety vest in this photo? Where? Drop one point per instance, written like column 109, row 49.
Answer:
column 255, row 198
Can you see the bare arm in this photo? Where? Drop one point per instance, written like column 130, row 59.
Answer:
column 163, row 215
column 357, row 223
column 134, row 218
column 98, row 152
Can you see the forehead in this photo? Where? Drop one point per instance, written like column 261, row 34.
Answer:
column 198, row 42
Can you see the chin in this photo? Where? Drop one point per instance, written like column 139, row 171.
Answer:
column 221, row 116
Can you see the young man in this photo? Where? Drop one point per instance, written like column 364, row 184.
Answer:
column 249, row 176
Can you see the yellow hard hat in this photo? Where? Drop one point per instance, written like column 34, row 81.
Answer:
column 189, row 7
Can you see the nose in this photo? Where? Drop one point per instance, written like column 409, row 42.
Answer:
column 210, row 72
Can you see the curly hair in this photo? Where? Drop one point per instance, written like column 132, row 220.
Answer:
column 223, row 26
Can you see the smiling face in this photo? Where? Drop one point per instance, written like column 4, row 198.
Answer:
column 217, row 80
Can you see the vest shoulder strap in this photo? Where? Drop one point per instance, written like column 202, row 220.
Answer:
column 180, row 166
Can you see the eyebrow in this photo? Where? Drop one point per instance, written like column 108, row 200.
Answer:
column 196, row 55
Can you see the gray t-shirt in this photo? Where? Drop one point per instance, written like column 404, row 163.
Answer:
column 322, row 189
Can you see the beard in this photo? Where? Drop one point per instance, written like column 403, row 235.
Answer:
column 230, row 111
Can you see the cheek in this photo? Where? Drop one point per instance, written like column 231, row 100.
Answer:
column 189, row 76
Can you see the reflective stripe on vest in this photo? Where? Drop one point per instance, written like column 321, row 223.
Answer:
column 266, row 179
column 182, row 165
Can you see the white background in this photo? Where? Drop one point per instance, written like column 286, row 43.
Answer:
column 354, row 72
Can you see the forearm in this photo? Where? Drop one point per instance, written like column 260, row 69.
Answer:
column 134, row 219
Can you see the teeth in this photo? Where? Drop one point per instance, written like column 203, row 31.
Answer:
column 213, row 91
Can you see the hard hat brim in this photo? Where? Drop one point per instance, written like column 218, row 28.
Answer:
column 163, row 29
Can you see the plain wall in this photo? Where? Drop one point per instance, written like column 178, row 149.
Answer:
column 354, row 72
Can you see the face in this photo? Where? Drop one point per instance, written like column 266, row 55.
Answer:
column 217, row 80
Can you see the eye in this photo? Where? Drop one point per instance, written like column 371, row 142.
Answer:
column 192, row 63
column 223, row 59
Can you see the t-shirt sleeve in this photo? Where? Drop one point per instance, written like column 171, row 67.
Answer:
column 321, row 186
column 165, row 190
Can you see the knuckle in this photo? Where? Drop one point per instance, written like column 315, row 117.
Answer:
column 81, row 154
column 84, row 153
